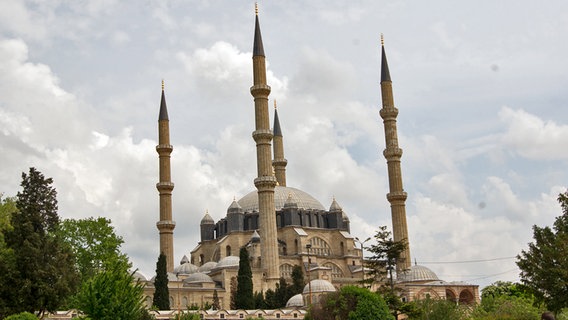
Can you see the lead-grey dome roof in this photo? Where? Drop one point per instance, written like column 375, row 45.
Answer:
column 249, row 202
column 230, row 261
column 319, row 285
column 207, row 266
column 295, row 301
column 186, row 268
column 197, row 278
column 417, row 273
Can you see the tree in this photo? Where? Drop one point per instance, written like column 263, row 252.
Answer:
column 298, row 281
column 7, row 208
column 45, row 275
column 161, row 292
column 434, row 309
column 544, row 265
column 233, row 298
column 93, row 242
column 7, row 258
column 245, row 297
column 216, row 303
column 353, row 303
column 112, row 294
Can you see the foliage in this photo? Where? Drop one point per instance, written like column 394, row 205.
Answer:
column 112, row 294
column 543, row 266
column 145, row 315
column 161, row 292
column 506, row 307
column 22, row 316
column 298, row 281
column 7, row 257
column 385, row 252
column 506, row 288
column 233, row 288
column 93, row 242
column 187, row 316
column 39, row 266
column 279, row 297
column 244, row 298
column 434, row 309
column 216, row 303
column 259, row 301
column 7, row 208
column 351, row 302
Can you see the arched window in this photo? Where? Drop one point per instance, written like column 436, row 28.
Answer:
column 336, row 271
column 466, row 297
column 286, row 270
column 319, row 247
column 228, row 251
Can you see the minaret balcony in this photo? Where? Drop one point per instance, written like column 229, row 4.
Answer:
column 388, row 112
column 397, row 196
column 265, row 183
column 260, row 90
column 164, row 147
column 166, row 225
column 392, row 153
column 262, row 135
column 165, row 186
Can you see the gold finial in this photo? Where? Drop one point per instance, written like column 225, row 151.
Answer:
column 162, row 84
column 274, row 104
column 256, row 8
column 382, row 40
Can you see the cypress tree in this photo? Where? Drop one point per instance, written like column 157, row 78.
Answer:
column 298, row 281
column 216, row 304
column 161, row 292
column 245, row 296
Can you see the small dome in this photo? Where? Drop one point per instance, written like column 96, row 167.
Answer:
column 235, row 206
column 184, row 260
column 207, row 219
column 335, row 206
column 417, row 273
column 186, row 268
column 295, row 301
column 319, row 285
column 137, row 275
column 171, row 277
column 230, row 261
column 249, row 203
column 207, row 266
column 290, row 203
column 197, row 278
column 255, row 237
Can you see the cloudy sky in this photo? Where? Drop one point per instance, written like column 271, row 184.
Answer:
column 481, row 89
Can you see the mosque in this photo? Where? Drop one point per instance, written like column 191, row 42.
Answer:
column 282, row 226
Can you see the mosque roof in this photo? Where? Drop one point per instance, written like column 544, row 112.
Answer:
column 207, row 266
column 417, row 273
column 295, row 301
column 197, row 278
column 186, row 268
column 319, row 285
column 249, row 202
column 230, row 261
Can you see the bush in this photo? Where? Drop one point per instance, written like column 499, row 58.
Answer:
column 22, row 316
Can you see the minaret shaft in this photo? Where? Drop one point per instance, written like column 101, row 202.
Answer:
column 279, row 163
column 393, row 153
column 165, row 187
column 265, row 182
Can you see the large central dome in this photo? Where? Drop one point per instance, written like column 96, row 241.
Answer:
column 302, row 199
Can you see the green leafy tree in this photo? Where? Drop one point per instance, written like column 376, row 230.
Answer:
column 8, row 268
column 435, row 309
column 22, row 316
column 45, row 275
column 506, row 300
column 94, row 243
column 351, row 303
column 245, row 297
column 161, row 292
column 543, row 266
column 112, row 294
column 7, row 208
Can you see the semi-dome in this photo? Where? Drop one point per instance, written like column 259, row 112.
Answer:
column 249, row 202
column 207, row 266
column 417, row 273
column 197, row 277
column 319, row 285
column 295, row 301
column 230, row 261
column 186, row 268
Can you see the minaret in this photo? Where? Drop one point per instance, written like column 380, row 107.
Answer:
column 265, row 182
column 166, row 225
column 393, row 153
column 279, row 163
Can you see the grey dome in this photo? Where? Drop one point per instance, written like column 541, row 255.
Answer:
column 197, row 278
column 319, row 285
column 295, row 301
column 417, row 273
column 230, row 261
column 207, row 266
column 249, row 202
column 186, row 268
column 207, row 219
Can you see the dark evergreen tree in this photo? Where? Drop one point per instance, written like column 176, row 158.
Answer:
column 298, row 281
column 216, row 304
column 161, row 292
column 282, row 293
column 259, row 302
column 45, row 276
column 270, row 299
column 244, row 298
column 233, row 288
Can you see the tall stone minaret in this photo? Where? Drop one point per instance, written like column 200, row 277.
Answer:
column 397, row 195
column 166, row 225
column 266, row 181
column 279, row 163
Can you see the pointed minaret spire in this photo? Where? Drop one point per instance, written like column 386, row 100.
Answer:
column 279, row 163
column 396, row 196
column 266, row 181
column 165, row 187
